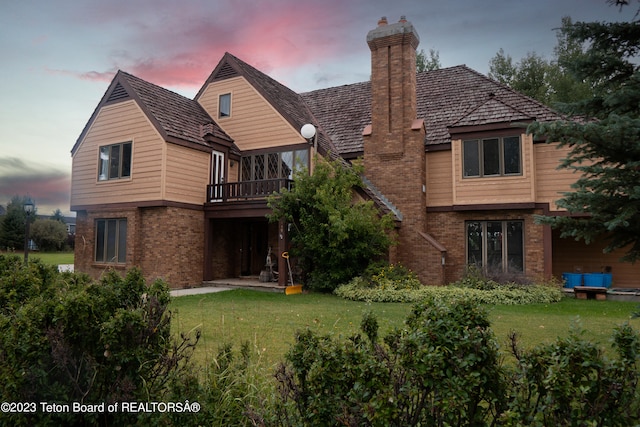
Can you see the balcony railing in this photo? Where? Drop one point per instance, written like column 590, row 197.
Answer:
column 235, row 191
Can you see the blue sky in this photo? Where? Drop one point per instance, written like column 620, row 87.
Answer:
column 58, row 57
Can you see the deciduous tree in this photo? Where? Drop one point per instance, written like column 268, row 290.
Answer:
column 334, row 236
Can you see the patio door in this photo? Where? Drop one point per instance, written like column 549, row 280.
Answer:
column 217, row 175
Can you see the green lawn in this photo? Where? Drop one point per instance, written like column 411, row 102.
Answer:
column 269, row 320
column 54, row 258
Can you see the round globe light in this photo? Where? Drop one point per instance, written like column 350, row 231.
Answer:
column 308, row 131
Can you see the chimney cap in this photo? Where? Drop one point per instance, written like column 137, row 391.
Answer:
column 386, row 30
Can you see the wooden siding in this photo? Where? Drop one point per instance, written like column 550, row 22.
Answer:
column 502, row 189
column 187, row 174
column 439, row 178
column 551, row 182
column 254, row 123
column 114, row 124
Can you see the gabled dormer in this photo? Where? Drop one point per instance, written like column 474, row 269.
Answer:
column 493, row 160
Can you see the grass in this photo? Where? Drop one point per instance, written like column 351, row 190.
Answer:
column 54, row 258
column 268, row 321
column 543, row 323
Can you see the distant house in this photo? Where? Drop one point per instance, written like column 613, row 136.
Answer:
column 177, row 186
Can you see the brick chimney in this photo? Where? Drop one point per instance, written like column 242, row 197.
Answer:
column 394, row 151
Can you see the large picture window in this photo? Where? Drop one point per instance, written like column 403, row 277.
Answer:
column 111, row 241
column 257, row 167
column 491, row 157
column 114, row 161
column 496, row 245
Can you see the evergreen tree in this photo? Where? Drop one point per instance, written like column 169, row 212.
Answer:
column 604, row 139
column 548, row 81
column 13, row 224
column 58, row 216
column 424, row 63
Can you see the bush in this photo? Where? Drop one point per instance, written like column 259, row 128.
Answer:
column 389, row 276
column 570, row 382
column 234, row 390
column 442, row 369
column 484, row 291
column 65, row 339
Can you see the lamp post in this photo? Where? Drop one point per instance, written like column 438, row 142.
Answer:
column 28, row 209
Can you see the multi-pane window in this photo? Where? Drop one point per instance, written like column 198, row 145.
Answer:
column 111, row 240
column 496, row 245
column 492, row 157
column 224, row 105
column 114, row 161
column 277, row 165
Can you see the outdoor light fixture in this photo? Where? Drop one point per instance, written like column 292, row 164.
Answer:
column 308, row 131
column 28, row 209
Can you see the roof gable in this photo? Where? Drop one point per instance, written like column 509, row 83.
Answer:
column 290, row 105
column 491, row 111
column 176, row 118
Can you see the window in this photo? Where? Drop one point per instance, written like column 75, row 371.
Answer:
column 111, row 241
column 114, row 161
column 224, row 105
column 276, row 165
column 496, row 245
column 491, row 157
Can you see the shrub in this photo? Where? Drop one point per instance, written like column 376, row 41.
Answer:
column 64, row 339
column 358, row 290
column 570, row 382
column 389, row 276
column 233, row 390
column 442, row 369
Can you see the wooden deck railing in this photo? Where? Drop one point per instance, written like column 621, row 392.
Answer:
column 234, row 191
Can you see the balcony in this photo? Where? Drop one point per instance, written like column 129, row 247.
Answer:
column 245, row 190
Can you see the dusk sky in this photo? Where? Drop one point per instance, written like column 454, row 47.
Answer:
column 58, row 57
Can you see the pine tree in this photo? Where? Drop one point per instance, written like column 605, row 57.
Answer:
column 603, row 135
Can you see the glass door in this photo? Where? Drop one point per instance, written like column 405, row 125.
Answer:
column 217, row 175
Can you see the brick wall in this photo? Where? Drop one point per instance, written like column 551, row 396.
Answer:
column 449, row 229
column 171, row 245
column 84, row 253
column 165, row 242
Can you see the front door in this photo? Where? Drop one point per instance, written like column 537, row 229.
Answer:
column 254, row 247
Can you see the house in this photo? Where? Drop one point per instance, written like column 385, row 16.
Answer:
column 178, row 186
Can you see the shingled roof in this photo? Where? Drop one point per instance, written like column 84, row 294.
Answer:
column 448, row 97
column 177, row 118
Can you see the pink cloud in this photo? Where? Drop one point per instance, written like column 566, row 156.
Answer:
column 179, row 44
